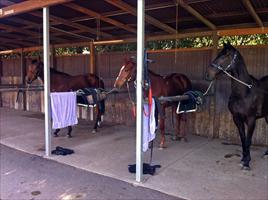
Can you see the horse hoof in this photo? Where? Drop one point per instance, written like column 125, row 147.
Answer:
column 175, row 138
column 185, row 139
column 245, row 168
column 69, row 136
column 94, row 131
column 162, row 147
column 55, row 135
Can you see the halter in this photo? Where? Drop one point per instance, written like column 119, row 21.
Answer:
column 38, row 71
column 228, row 74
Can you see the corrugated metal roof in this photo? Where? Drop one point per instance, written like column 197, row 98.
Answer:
column 221, row 13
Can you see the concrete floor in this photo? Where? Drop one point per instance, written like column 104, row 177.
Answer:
column 199, row 169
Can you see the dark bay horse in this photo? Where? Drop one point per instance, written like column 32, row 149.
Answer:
column 63, row 82
column 249, row 96
column 171, row 85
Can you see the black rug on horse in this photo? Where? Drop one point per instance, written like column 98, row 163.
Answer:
column 147, row 168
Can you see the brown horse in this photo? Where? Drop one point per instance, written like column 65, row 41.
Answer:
column 63, row 82
column 171, row 85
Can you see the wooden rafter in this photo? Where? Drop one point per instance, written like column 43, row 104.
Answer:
column 11, row 41
column 124, row 6
column 27, row 6
column 196, row 14
column 99, row 16
column 33, row 34
column 252, row 12
column 72, row 24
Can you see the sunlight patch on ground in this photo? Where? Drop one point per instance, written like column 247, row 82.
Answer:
column 10, row 172
column 74, row 196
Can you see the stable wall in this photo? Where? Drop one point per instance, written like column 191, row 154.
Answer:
column 214, row 119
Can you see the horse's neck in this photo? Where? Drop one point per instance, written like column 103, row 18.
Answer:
column 240, row 72
column 41, row 75
column 154, row 77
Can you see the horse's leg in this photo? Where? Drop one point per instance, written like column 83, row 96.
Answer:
column 266, row 152
column 251, row 126
column 241, row 129
column 97, row 121
column 69, row 131
column 56, row 132
column 162, row 128
column 180, row 133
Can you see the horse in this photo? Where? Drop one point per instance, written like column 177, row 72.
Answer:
column 63, row 82
column 170, row 85
column 248, row 99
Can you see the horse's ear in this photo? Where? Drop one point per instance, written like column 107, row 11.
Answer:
column 227, row 45
column 34, row 61
column 39, row 58
column 133, row 59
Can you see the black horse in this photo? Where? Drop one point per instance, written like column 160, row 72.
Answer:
column 249, row 96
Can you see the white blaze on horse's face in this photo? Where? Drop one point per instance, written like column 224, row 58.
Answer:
column 124, row 75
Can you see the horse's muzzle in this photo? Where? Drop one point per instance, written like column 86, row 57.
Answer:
column 29, row 81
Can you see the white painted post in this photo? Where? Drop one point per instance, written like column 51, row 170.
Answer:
column 47, row 80
column 139, row 117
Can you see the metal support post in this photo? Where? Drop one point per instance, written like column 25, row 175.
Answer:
column 139, row 117
column 47, row 80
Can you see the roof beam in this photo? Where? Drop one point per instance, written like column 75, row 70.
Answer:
column 252, row 12
column 27, row 6
column 196, row 14
column 99, row 16
column 124, row 6
column 72, row 24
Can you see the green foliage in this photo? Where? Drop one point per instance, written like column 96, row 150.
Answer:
column 197, row 42
column 256, row 39
column 69, row 50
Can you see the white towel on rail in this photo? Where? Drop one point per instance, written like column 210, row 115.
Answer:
column 63, row 107
column 149, row 125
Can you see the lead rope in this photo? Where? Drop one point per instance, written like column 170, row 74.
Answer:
column 228, row 74
column 211, row 82
column 131, row 100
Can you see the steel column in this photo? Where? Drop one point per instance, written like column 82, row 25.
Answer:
column 47, row 80
column 139, row 117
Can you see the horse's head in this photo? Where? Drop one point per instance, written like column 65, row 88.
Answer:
column 34, row 71
column 224, row 61
column 126, row 73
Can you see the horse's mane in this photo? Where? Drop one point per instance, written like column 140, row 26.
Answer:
column 58, row 72
column 153, row 73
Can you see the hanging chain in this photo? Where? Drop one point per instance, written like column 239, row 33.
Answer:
column 176, row 41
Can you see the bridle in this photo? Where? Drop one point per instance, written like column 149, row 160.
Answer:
column 228, row 74
column 38, row 71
